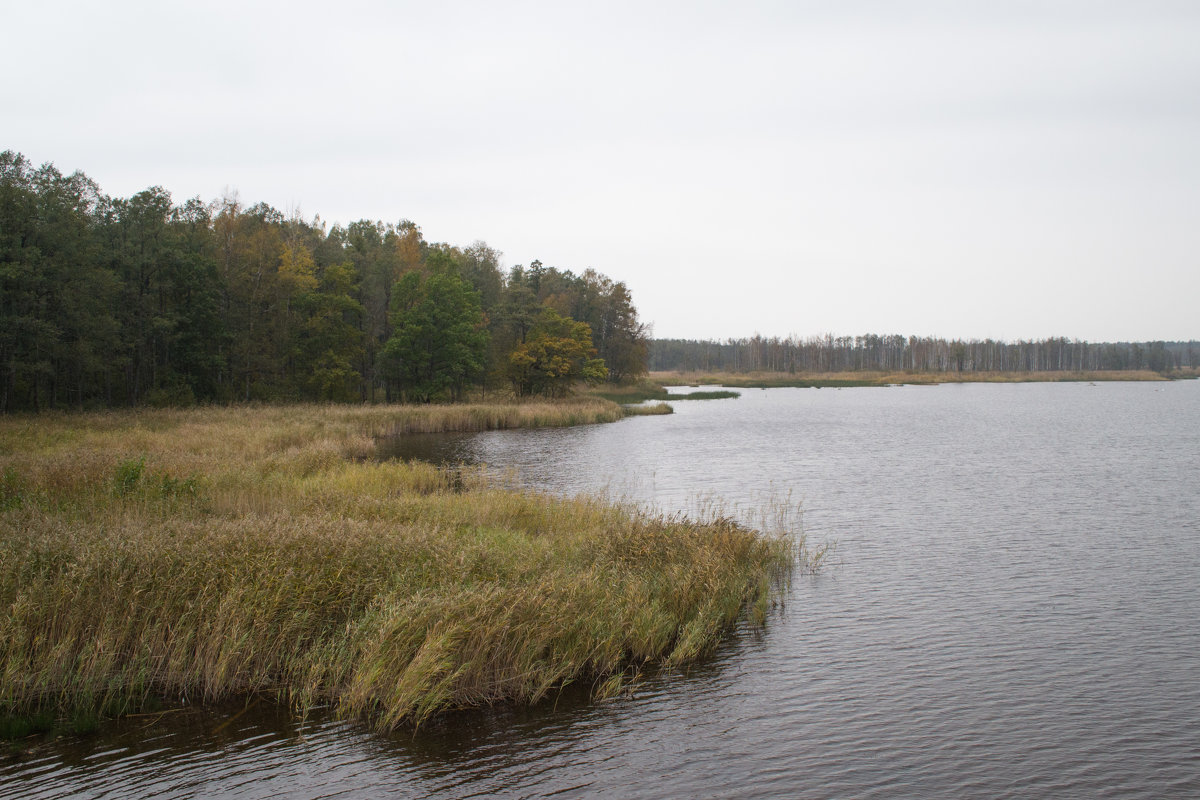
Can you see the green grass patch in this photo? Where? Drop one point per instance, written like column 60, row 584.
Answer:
column 626, row 394
column 12, row 489
column 720, row 394
column 646, row 390
column 22, row 726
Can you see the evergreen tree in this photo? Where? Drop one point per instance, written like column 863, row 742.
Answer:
column 439, row 342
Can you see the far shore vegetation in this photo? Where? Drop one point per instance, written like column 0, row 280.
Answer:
column 944, row 359
column 768, row 380
column 170, row 556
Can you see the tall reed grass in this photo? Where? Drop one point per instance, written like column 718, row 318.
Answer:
column 198, row 555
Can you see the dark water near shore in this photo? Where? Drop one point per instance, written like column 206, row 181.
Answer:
column 1012, row 610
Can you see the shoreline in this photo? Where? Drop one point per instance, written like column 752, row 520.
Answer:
column 770, row 380
column 158, row 557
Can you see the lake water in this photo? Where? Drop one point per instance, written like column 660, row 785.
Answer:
column 1011, row 611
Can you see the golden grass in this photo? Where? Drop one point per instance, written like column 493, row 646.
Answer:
column 201, row 554
column 649, row 410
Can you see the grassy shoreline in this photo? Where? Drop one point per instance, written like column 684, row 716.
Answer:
column 199, row 555
column 653, row 388
column 769, row 380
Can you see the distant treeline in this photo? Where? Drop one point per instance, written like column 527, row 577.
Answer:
column 117, row 302
column 921, row 354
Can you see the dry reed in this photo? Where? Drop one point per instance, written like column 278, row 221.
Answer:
column 197, row 555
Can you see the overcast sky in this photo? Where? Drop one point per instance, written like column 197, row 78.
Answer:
column 959, row 169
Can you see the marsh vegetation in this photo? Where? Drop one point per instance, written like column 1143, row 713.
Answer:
column 847, row 379
column 195, row 555
column 654, row 388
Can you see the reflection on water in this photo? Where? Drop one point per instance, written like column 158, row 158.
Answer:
column 1012, row 612
column 445, row 449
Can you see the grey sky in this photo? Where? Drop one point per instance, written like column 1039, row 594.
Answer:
column 1006, row 169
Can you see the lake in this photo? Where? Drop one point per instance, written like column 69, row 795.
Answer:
column 1010, row 610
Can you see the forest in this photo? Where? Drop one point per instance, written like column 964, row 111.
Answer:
column 896, row 353
column 108, row 301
